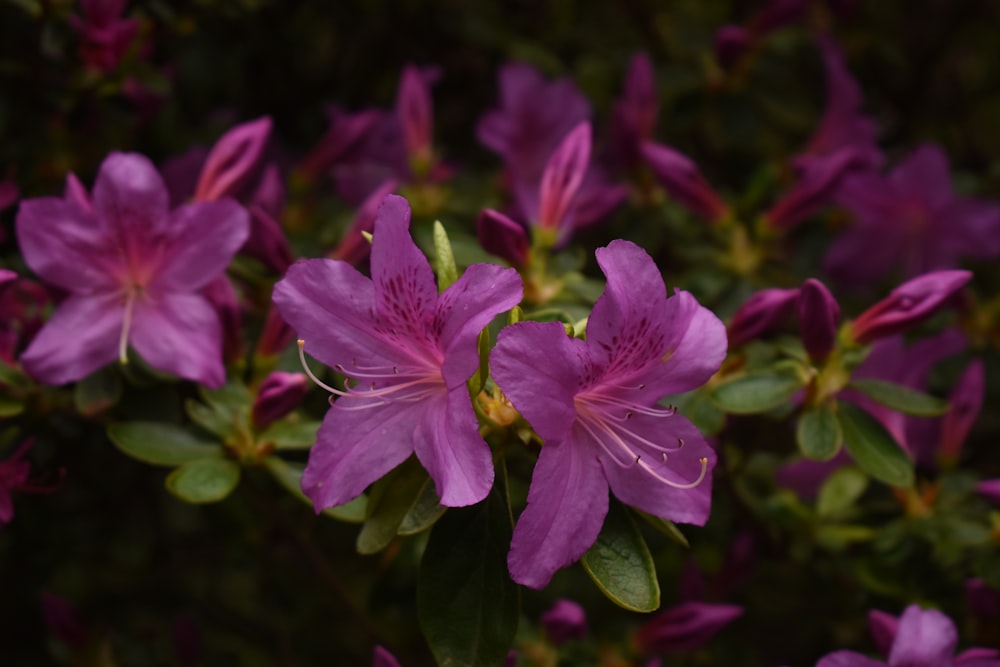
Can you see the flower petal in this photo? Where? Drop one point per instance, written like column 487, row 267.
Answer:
column 358, row 443
column 180, row 334
column 697, row 348
column 536, row 365
column 204, row 238
column 65, row 245
column 449, row 446
column 848, row 659
column 634, row 485
column 925, row 638
column 567, row 503
column 81, row 337
column 466, row 307
column 130, row 197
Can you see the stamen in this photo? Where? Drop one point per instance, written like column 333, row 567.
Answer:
column 126, row 327
column 302, row 359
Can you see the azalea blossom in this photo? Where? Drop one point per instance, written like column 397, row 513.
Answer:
column 920, row 638
column 594, row 404
column 408, row 353
column 134, row 271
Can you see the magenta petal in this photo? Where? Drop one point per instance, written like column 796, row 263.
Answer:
column 966, row 400
column 567, row 503
column 819, row 314
column 81, row 336
column 382, row 658
column 450, row 448
column 405, row 292
column 535, row 364
column 633, row 484
column 233, row 160
column 357, row 445
column 415, row 110
column 353, row 246
column 180, row 334
column 65, row 245
column 925, row 638
column 848, row 659
column 925, row 173
column 763, row 313
column 204, row 238
column 685, row 627
column 696, row 350
column 883, row 628
column 465, row 308
column 130, row 198
column 563, row 175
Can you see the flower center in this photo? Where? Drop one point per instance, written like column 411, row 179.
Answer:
column 605, row 417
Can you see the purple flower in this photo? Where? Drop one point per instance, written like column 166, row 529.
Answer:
column 133, row 270
column 922, row 638
column 345, row 133
column 965, row 402
column 685, row 627
column 908, row 305
column 682, row 180
column 232, row 161
column 593, row 403
column 843, row 142
column 409, row 353
column 415, row 111
column 763, row 313
column 564, row 621
column 104, row 35
column 914, row 219
column 634, row 116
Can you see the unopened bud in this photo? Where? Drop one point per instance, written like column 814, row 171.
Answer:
column 233, row 160
column 818, row 317
column 683, row 181
column 563, row 176
column 908, row 305
column 763, row 312
column 279, row 394
column 503, row 237
column 965, row 401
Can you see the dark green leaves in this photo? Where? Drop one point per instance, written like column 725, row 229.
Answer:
column 392, row 499
column 161, row 444
column 872, row 447
column 757, row 391
column 818, row 434
column 621, row 565
column 467, row 603
column 204, row 480
column 898, row 397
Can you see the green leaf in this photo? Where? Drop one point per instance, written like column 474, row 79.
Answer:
column 757, row 391
column 478, row 381
column 668, row 528
column 444, row 258
column 896, row 396
column 872, row 448
column 840, row 491
column 705, row 414
column 818, row 434
column 289, row 475
column 390, row 501
column 10, row 407
column 291, row 435
column 424, row 513
column 204, row 480
column 161, row 444
column 97, row 392
column 621, row 565
column 215, row 422
column 467, row 604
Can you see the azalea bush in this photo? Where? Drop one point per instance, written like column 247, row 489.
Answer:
column 515, row 334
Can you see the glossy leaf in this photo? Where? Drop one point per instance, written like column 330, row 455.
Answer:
column 668, row 528
column 161, row 444
column 424, row 513
column 289, row 475
column 444, row 258
column 468, row 605
column 621, row 565
column 896, row 396
column 291, row 435
column 818, row 433
column 391, row 500
column 840, row 491
column 204, row 480
column 873, row 448
column 757, row 391
column 478, row 380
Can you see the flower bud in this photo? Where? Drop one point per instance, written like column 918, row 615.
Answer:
column 763, row 312
column 563, row 176
column 685, row 627
column 908, row 305
column 883, row 628
column 503, row 237
column 682, row 180
column 818, row 317
column 965, row 401
column 279, row 394
column 415, row 109
column 232, row 160
column 564, row 621
column 276, row 336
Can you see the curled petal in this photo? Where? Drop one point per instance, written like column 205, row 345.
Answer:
column 683, row 181
column 232, row 160
column 503, row 237
column 908, row 305
column 563, row 175
column 763, row 313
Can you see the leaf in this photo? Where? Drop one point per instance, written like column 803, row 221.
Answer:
column 204, row 480
column 818, row 433
column 291, row 435
column 10, row 407
column 757, row 391
column 896, row 396
column 390, row 501
column 444, row 258
column 467, row 604
column 424, row 513
column 668, row 528
column 216, row 423
column 872, row 448
column 705, row 414
column 621, row 565
column 161, row 444
column 478, row 380
column 289, row 475
column 840, row 491
column 97, row 392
